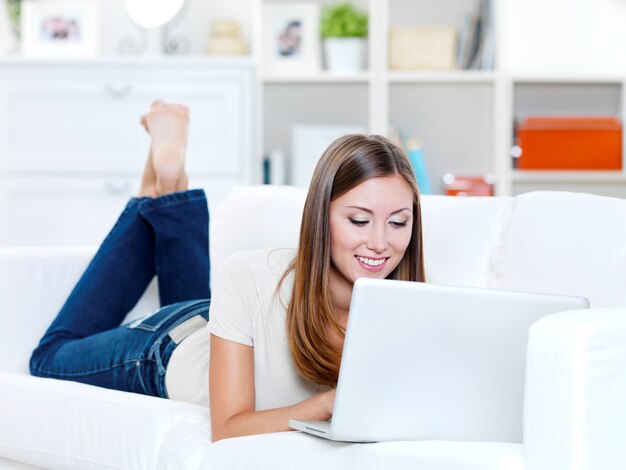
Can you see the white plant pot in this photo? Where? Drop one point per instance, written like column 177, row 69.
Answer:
column 345, row 55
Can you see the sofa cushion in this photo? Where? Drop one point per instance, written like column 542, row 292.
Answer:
column 460, row 235
column 565, row 243
column 59, row 424
column 34, row 283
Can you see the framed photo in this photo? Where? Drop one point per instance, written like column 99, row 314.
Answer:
column 59, row 28
column 291, row 38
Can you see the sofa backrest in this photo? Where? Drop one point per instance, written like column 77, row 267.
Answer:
column 542, row 242
column 460, row 236
column 564, row 243
column 459, row 233
column 255, row 217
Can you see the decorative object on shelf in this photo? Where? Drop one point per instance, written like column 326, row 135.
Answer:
column 569, row 143
column 13, row 10
column 308, row 142
column 476, row 46
column 344, row 30
column 9, row 26
column 422, row 48
column 59, row 28
column 155, row 19
column 226, row 38
column 415, row 152
column 291, row 39
column 468, row 185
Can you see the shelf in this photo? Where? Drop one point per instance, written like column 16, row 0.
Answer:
column 455, row 76
column 530, row 176
column 321, row 77
column 182, row 60
column 568, row 79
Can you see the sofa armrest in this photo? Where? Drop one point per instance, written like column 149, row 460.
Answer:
column 60, row 424
column 34, row 283
column 575, row 398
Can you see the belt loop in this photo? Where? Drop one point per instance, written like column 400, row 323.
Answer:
column 155, row 351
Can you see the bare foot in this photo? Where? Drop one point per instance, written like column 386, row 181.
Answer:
column 167, row 125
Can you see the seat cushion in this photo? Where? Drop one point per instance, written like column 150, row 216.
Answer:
column 297, row 450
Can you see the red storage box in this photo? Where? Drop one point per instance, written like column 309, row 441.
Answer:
column 570, row 143
column 468, row 185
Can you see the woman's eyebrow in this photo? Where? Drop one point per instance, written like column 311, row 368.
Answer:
column 369, row 211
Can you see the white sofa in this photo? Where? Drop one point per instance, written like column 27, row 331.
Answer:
column 575, row 396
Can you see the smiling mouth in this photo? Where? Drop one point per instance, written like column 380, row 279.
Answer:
column 371, row 262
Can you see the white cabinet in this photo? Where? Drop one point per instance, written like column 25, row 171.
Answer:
column 72, row 149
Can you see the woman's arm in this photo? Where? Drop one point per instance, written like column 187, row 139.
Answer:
column 231, row 388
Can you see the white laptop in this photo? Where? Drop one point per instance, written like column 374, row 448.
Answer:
column 431, row 362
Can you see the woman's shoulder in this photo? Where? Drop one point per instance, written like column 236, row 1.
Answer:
column 272, row 261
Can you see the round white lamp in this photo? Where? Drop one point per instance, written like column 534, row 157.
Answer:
column 151, row 14
column 153, row 17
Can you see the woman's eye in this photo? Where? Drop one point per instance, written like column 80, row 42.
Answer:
column 398, row 224
column 357, row 222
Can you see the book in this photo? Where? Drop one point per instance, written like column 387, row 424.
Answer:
column 476, row 45
column 415, row 152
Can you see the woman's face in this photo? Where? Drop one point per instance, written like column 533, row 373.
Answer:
column 370, row 228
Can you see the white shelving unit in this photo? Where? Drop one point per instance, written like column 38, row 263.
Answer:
column 465, row 118
column 585, row 94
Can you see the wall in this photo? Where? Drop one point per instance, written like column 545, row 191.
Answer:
column 563, row 36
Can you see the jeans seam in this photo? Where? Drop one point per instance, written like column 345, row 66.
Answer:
column 91, row 371
column 118, row 222
column 140, row 379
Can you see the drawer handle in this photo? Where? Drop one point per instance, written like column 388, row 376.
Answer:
column 118, row 92
column 117, row 189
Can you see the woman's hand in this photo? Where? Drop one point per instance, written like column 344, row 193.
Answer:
column 319, row 407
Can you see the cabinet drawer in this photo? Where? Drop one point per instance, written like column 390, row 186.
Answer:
column 76, row 119
column 73, row 211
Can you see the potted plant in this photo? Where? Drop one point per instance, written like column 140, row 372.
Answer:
column 344, row 30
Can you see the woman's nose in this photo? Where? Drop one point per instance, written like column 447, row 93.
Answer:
column 377, row 240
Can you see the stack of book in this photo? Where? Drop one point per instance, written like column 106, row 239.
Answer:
column 476, row 47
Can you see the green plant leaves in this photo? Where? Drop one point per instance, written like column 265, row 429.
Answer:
column 343, row 20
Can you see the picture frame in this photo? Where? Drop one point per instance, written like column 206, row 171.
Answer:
column 291, row 39
column 59, row 29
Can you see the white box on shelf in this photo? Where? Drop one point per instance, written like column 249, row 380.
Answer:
column 308, row 142
column 422, row 48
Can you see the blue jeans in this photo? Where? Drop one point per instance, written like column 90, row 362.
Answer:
column 165, row 236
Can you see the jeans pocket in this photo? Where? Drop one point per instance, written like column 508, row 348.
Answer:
column 164, row 315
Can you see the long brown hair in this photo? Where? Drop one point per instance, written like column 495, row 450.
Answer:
column 311, row 323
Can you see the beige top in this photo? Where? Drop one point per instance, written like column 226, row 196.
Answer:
column 245, row 310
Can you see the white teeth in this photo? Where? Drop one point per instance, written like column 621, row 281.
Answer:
column 371, row 262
